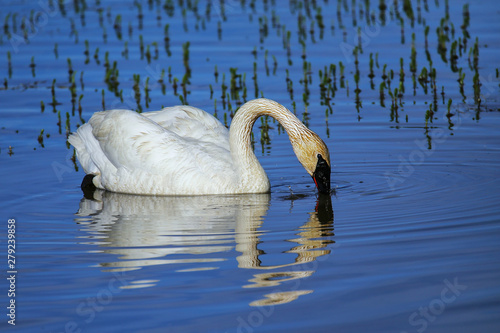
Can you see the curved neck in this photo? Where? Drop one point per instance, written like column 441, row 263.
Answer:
column 241, row 129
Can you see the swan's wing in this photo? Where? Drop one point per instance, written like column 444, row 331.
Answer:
column 190, row 122
column 134, row 154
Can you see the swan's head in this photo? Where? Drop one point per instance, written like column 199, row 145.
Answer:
column 313, row 154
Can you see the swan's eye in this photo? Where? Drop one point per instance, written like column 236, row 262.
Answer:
column 319, row 156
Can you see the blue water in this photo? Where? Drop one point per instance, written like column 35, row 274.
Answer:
column 408, row 241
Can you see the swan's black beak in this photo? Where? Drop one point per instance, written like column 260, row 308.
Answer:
column 321, row 175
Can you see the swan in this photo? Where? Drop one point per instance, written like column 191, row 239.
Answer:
column 183, row 150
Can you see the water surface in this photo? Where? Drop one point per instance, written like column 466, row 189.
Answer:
column 408, row 241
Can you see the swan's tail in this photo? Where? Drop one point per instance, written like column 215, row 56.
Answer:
column 82, row 140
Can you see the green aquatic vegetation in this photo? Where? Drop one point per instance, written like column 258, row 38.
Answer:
column 169, row 7
column 175, row 84
column 70, row 69
column 86, row 52
column 360, row 41
column 401, row 75
column 40, row 138
column 235, row 85
column 125, row 50
column 141, row 46
column 402, row 24
column 461, row 82
column 59, row 122
column 56, row 51
column 185, row 57
column 6, row 30
column 32, row 66
column 156, row 51
column 477, row 88
column 166, row 39
column 72, row 89
column 14, row 22
column 263, row 28
column 453, row 56
column 140, row 15
column 96, row 56
column 118, row 26
column 423, row 79
column 111, row 76
column 148, row 54
column 474, row 52
column 265, row 62
column 287, row 45
column 80, row 109
column 254, row 52
column 130, row 30
column 229, row 106
column 265, row 139
column 342, row 76
column 82, row 86
column 161, row 81
column 320, row 23
column 413, row 56
column 426, row 35
column 244, row 95
column 147, row 99
column 289, row 84
column 304, row 30
column 371, row 75
column 255, row 82
column 466, row 23
column 68, row 125
column 184, row 86
column 275, row 65
column 448, row 113
column 54, row 102
column 137, row 91
column 216, row 74
column 394, row 105
column 103, row 99
column 327, row 91
column 104, row 35
column 429, row 114
column 223, row 88
column 382, row 88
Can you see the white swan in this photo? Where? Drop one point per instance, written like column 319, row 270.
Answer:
column 183, row 150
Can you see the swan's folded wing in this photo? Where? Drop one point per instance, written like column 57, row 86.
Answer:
column 151, row 159
column 190, row 122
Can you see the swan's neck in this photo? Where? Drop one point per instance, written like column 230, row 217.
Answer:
column 250, row 171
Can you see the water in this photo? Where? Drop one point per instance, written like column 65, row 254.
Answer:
column 407, row 243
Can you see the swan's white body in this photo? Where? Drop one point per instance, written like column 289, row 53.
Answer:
column 182, row 150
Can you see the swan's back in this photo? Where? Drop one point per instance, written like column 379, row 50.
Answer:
column 190, row 122
column 178, row 150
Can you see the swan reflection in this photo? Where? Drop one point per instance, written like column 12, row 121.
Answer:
column 190, row 231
